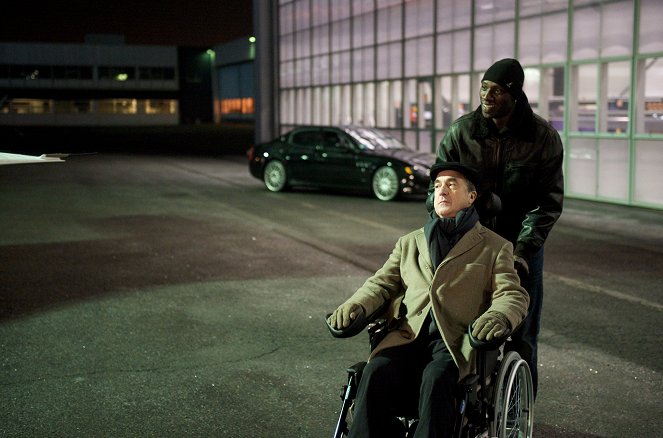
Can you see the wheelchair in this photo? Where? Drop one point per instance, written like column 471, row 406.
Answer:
column 497, row 401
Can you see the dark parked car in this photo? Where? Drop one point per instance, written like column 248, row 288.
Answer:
column 351, row 157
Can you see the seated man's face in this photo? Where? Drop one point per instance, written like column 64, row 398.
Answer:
column 452, row 193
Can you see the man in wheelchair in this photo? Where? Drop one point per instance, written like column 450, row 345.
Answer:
column 437, row 280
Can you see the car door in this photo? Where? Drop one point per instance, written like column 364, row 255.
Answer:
column 336, row 160
column 302, row 148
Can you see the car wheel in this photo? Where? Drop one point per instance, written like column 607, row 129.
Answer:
column 275, row 176
column 385, row 183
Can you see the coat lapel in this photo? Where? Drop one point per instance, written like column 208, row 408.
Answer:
column 424, row 256
column 467, row 242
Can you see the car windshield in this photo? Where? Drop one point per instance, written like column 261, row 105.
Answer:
column 374, row 140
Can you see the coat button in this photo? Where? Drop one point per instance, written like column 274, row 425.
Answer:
column 419, row 312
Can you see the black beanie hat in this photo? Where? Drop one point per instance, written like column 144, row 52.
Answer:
column 468, row 172
column 507, row 73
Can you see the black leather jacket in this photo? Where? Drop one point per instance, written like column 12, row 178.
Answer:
column 521, row 163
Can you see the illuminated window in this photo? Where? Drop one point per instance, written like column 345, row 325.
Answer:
column 237, row 106
column 161, row 106
column 118, row 106
column 27, row 106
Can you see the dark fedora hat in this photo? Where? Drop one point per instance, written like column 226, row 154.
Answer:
column 469, row 173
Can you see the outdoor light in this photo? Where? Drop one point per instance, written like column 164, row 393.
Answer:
column 121, row 77
column 252, row 39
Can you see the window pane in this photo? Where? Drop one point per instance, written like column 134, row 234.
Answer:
column 582, row 166
column 287, row 47
column 411, row 108
column 340, row 35
column 358, row 104
column 389, row 61
column 617, row 29
column 336, row 106
column 453, row 14
column 317, row 106
column 340, row 69
column 585, row 92
column 287, row 74
column 650, row 106
column 554, row 37
column 321, row 70
column 419, row 18
column 302, row 15
column 618, row 84
column 443, row 103
column 362, row 64
column 648, row 175
column 320, row 12
column 453, row 52
column 303, row 72
column 361, row 6
column 418, row 59
column 586, row 33
column 651, row 31
column 551, row 106
column 362, row 30
column 303, row 43
column 369, row 105
column 286, row 24
column 536, row 7
column 489, row 11
column 321, row 40
column 492, row 43
column 529, row 44
column 341, row 9
column 531, row 87
column 613, row 169
column 461, row 49
column 389, row 27
column 462, row 87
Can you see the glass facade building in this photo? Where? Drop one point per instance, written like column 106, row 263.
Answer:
column 594, row 69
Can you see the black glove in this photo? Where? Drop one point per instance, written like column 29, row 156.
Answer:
column 522, row 268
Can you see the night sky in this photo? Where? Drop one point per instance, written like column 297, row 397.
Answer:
column 165, row 22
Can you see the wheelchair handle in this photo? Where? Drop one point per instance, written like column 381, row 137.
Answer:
column 355, row 327
column 485, row 345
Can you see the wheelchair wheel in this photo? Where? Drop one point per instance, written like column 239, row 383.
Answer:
column 513, row 399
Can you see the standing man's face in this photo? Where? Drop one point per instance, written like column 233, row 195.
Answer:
column 496, row 102
column 452, row 194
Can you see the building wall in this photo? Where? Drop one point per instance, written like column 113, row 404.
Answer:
column 594, row 69
column 234, row 96
column 88, row 84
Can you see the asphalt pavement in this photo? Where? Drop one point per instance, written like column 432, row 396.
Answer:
column 159, row 296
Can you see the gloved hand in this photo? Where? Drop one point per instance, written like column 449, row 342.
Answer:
column 490, row 325
column 343, row 316
column 522, row 268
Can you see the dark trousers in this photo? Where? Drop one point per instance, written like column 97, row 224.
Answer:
column 525, row 339
column 395, row 379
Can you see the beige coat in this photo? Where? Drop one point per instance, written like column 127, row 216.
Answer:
column 477, row 275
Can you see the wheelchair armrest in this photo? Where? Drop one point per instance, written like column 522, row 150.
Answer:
column 485, row 345
column 359, row 324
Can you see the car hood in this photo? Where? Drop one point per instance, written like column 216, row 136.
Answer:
column 424, row 159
